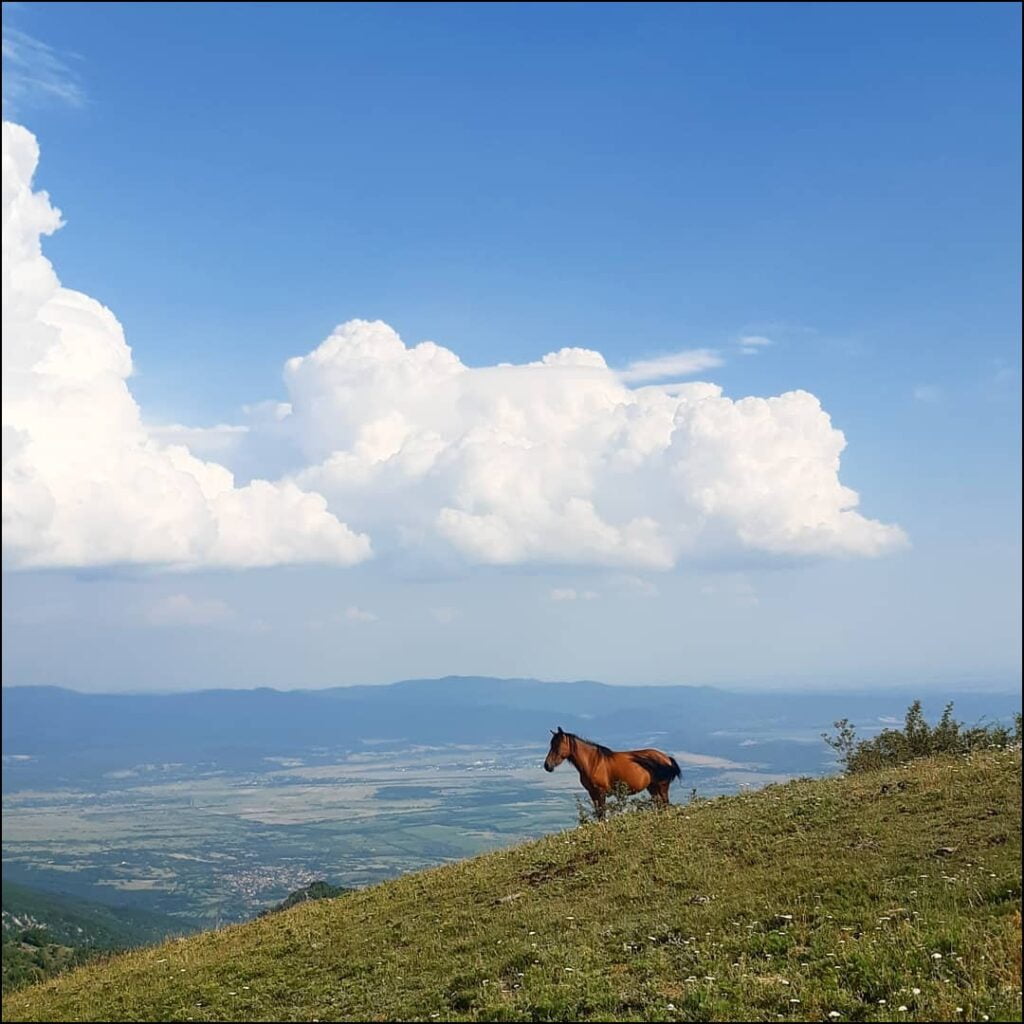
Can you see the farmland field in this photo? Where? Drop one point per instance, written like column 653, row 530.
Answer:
column 211, row 845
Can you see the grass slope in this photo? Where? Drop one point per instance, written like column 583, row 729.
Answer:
column 884, row 896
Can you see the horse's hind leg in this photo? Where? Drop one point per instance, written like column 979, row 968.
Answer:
column 659, row 793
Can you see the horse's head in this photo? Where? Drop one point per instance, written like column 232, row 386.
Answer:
column 558, row 751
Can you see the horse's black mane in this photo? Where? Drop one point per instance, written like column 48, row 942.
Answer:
column 601, row 748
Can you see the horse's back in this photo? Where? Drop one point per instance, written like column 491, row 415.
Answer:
column 660, row 766
column 652, row 754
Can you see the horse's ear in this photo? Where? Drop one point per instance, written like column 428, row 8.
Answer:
column 553, row 733
column 559, row 730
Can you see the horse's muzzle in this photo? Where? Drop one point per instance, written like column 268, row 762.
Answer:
column 548, row 767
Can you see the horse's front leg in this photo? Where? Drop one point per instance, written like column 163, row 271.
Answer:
column 598, row 796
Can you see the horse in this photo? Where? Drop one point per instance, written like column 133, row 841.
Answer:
column 601, row 768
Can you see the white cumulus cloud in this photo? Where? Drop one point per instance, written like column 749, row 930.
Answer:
column 558, row 461
column 84, row 481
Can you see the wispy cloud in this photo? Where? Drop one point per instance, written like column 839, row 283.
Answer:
column 734, row 589
column 356, row 614
column 751, row 344
column 1005, row 374
column 572, row 594
column 205, row 442
column 36, row 72
column 182, row 610
column 930, row 393
column 675, row 364
column 636, row 586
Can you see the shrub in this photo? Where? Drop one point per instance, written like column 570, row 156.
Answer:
column 620, row 801
column 35, row 937
column 917, row 739
column 314, row 891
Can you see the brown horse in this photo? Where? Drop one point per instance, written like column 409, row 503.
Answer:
column 602, row 769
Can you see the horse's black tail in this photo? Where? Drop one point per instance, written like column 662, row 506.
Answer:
column 659, row 770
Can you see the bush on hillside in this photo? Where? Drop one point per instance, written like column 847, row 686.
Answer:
column 917, row 739
column 27, row 959
column 314, row 891
column 620, row 801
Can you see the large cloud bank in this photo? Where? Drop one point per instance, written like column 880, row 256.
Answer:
column 558, row 461
column 562, row 461
column 84, row 483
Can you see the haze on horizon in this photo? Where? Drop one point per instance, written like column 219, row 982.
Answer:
column 536, row 346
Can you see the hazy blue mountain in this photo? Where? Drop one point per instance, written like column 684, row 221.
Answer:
column 55, row 736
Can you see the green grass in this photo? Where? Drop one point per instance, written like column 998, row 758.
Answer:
column 881, row 896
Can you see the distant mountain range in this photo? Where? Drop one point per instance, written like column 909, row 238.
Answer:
column 53, row 735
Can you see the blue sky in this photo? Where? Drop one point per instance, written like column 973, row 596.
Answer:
column 509, row 180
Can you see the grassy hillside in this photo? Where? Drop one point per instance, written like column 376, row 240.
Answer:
column 891, row 895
